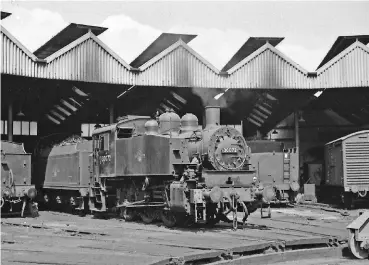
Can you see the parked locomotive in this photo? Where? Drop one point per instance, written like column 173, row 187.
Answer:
column 62, row 175
column 17, row 192
column 276, row 166
column 173, row 171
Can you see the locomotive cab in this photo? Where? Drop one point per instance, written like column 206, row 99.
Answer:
column 129, row 155
column 105, row 139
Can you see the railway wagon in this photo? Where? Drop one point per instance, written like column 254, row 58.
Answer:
column 63, row 175
column 17, row 191
column 347, row 166
column 277, row 167
column 172, row 170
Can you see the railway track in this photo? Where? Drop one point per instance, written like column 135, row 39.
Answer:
column 69, row 239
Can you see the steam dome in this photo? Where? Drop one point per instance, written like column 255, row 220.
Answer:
column 151, row 127
column 169, row 122
column 189, row 122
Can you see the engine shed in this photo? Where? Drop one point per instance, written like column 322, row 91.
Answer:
column 75, row 81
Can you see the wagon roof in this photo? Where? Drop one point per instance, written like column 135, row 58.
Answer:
column 348, row 136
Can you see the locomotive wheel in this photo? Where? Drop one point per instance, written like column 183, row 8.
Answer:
column 168, row 218
column 355, row 248
column 127, row 214
column 147, row 216
column 86, row 208
column 183, row 220
column 212, row 221
column 346, row 199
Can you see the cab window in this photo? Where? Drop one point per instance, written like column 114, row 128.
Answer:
column 103, row 142
column 124, row 133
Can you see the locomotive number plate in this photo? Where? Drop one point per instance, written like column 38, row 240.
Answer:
column 229, row 150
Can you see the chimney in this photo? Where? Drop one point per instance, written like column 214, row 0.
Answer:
column 212, row 114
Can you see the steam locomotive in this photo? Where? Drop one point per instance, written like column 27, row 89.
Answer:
column 17, row 192
column 276, row 166
column 168, row 169
column 172, row 170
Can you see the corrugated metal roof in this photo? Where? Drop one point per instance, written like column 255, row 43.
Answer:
column 4, row 15
column 341, row 44
column 180, row 65
column 164, row 41
column 17, row 59
column 88, row 59
column 66, row 36
column 250, row 46
column 268, row 68
column 350, row 68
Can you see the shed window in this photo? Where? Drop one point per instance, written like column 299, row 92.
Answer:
column 25, row 128
column 20, row 127
column 33, row 128
column 2, row 127
column 85, row 130
column 16, row 127
column 92, row 128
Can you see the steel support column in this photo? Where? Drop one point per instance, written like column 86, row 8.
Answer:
column 10, row 121
column 297, row 133
column 297, row 143
column 111, row 113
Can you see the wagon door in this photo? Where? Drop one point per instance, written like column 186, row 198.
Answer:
column 356, row 155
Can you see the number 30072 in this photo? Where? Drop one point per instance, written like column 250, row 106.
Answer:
column 229, row 150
